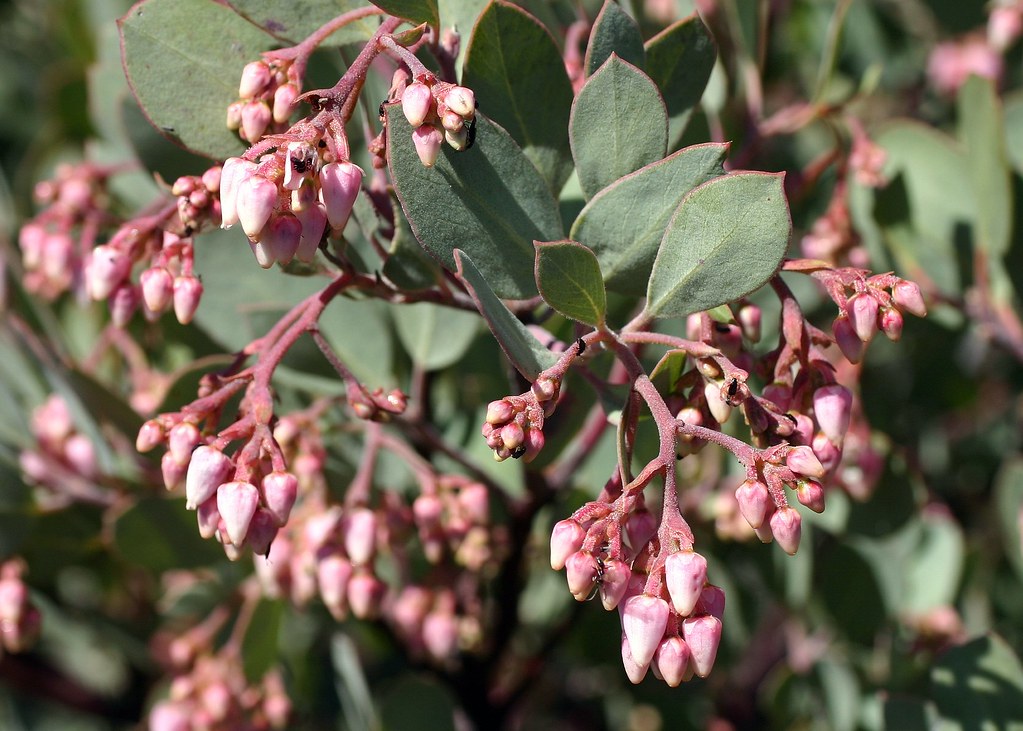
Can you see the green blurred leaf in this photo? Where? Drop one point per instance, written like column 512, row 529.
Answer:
column 906, row 714
column 680, row 59
column 979, row 686
column 841, row 694
column 618, row 125
column 295, row 21
column 1008, row 503
column 183, row 59
column 16, row 510
column 848, row 587
column 1013, row 123
column 350, row 680
column 726, row 240
column 160, row 535
column 515, row 68
column 359, row 331
column 934, row 566
column 260, row 650
column 614, row 31
column 569, row 280
column 434, row 336
column 523, row 350
column 488, row 201
column 418, row 11
column 624, row 223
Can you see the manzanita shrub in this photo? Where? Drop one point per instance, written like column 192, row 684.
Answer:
column 432, row 292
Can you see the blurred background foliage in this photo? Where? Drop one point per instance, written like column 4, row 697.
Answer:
column 904, row 610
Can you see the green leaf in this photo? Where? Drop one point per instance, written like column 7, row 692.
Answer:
column 488, row 200
column 614, row 31
column 618, row 125
column 359, row 332
column 934, row 565
column 294, row 22
column 726, row 240
column 517, row 72
column 260, row 650
column 1009, row 506
column 569, row 280
column 624, row 223
column 418, row 11
column 434, row 336
column 524, row 351
column 906, row 714
column 183, row 59
column 979, row 685
column 680, row 59
column 159, row 535
column 1013, row 110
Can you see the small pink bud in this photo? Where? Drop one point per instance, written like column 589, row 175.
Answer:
column 416, row 102
column 170, row 716
column 614, row 583
column 718, row 408
column 79, row 453
column 712, row 601
column 863, row 310
column 803, row 461
column 534, row 444
column 256, row 117
column 640, row 527
column 13, row 600
column 339, row 186
column 581, row 572
column 811, row 494
column 172, row 470
column 545, row 389
column 257, row 197
column 262, row 253
column 787, row 526
column 284, row 102
column 686, row 574
column 427, row 511
column 764, row 533
column 233, row 119
column 832, row 406
column 208, row 517
column 235, row 172
column 778, row 393
column 280, row 489
column 333, row 574
column 804, row 430
column 908, row 297
column 236, row 503
column 499, row 412
column 427, row 140
column 256, row 76
column 281, row 237
column 107, row 268
column 365, row 592
column 150, row 435
column 187, row 293
column 123, row 303
column 703, row 635
column 891, row 324
column 827, row 452
column 566, row 538
column 644, row 620
column 636, row 671
column 157, row 288
column 754, row 502
column 440, row 634
column 182, row 440
column 314, row 223
column 461, row 101
column 672, row 660
column 512, row 435
column 360, row 528
column 211, row 179
column 262, row 531
column 749, row 319
column 208, row 469
column 847, row 339
column 457, row 141
column 451, row 122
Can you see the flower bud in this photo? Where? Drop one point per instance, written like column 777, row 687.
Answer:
column 614, row 583
column 182, row 440
column 811, row 494
column 365, row 592
column 236, row 503
column 754, row 502
column 718, row 408
column 640, row 527
column 234, row 173
column 832, row 407
column 686, row 573
column 284, row 102
column 440, row 634
column 282, row 237
column 712, row 602
column 581, row 572
column 150, row 435
column 123, row 303
column 170, row 716
column 512, row 435
column 108, row 266
column 908, row 297
column 457, row 141
column 233, row 119
column 416, row 102
column 750, row 321
column 314, row 223
column 534, row 443
column 703, row 635
column 863, row 310
column 566, row 538
column 672, row 660
column 427, row 140
column 499, row 412
column 787, row 526
column 829, row 453
column 333, row 574
column 172, row 470
column 339, row 186
column 891, row 324
column 187, row 293
column 644, row 620
column 803, row 461
column 280, row 489
column 847, row 339
column 208, row 517
column 262, row 531
column 157, row 288
column 461, row 101
column 360, row 528
column 256, row 76
column 208, row 469
column 256, row 117
column 636, row 671
column 257, row 197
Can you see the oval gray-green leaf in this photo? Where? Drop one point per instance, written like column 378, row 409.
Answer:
column 624, row 223
column 680, row 59
column 524, row 351
column 516, row 70
column 183, row 60
column 569, row 280
column 418, row 11
column 726, row 240
column 618, row 125
column 488, row 200
column 434, row 336
column 614, row 31
column 295, row 21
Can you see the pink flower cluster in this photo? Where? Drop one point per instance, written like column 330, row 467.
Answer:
column 267, row 94
column 514, row 424
column 877, row 304
column 61, row 453
column 19, row 618
column 439, row 112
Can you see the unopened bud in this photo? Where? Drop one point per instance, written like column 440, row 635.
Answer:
column 644, row 619
column 581, row 572
column 461, row 101
column 108, row 266
column 863, row 309
column 360, row 535
column 237, row 503
column 803, row 461
column 427, row 140
column 208, row 469
column 187, row 293
column 614, row 583
column 256, row 117
column 440, row 634
column 365, row 592
column 256, row 76
column 636, row 671
column 787, row 527
column 284, row 102
column 257, row 197
column 908, row 297
column 754, row 502
column 672, row 660
column 157, row 288
column 686, row 574
column 282, row 237
column 280, row 489
column 416, row 103
column 150, row 435
column 333, row 574
column 339, row 186
column 811, row 494
column 832, row 407
column 234, row 173
column 891, row 324
column 847, row 339
column 703, row 635
column 567, row 537
column 123, row 303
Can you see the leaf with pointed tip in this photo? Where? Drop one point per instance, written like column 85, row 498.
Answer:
column 488, row 200
column 614, row 32
column 524, row 351
column 418, row 11
column 726, row 239
column 516, row 71
column 183, row 60
column 624, row 223
column 618, row 125
column 569, row 280
column 294, row 22
column 679, row 59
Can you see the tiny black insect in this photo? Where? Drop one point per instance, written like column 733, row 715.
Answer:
column 733, row 387
column 299, row 165
column 582, row 346
column 380, row 110
column 518, row 451
column 470, row 137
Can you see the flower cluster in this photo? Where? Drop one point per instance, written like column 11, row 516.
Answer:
column 267, row 94
column 19, row 618
column 877, row 304
column 439, row 112
column 61, row 455
column 514, row 424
